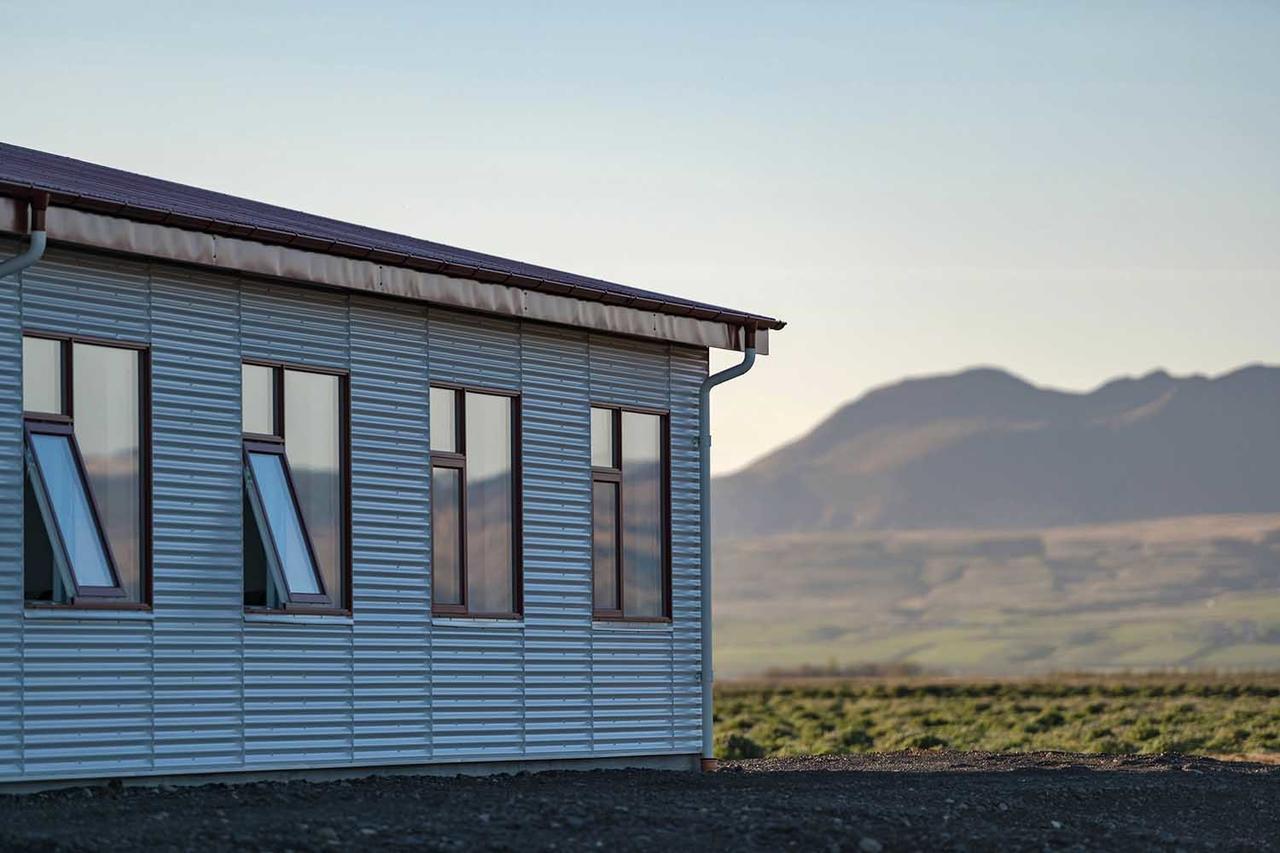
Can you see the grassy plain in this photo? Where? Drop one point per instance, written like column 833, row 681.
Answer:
column 1199, row 592
column 1195, row 713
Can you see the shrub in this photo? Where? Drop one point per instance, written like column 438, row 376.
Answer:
column 853, row 739
column 736, row 747
column 927, row 742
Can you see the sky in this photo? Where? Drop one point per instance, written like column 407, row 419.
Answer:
column 1071, row 191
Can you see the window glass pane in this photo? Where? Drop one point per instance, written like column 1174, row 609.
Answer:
column 282, row 517
column 604, row 515
column 69, row 501
column 490, row 586
column 444, row 420
column 42, row 376
column 602, row 438
column 257, row 392
column 642, row 514
column 313, row 442
column 446, row 536
column 109, row 432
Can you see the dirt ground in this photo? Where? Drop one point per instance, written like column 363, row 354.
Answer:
column 900, row 801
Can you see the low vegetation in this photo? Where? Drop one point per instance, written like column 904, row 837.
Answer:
column 1204, row 714
column 1197, row 593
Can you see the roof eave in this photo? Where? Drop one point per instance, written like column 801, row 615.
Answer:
column 423, row 263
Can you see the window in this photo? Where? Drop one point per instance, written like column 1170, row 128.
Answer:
column 475, row 503
column 296, row 488
column 630, row 559
column 86, row 507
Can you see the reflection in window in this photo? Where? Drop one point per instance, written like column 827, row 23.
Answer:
column 57, row 478
column 275, row 509
column 444, row 420
column 296, row 500
column 84, row 511
column 603, row 454
column 629, row 514
column 109, row 430
column 42, row 376
column 446, row 540
column 474, row 540
column 258, row 391
column 489, row 504
column 604, row 517
column 313, row 438
column 642, row 514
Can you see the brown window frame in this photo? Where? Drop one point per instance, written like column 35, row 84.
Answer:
column 613, row 475
column 97, row 598
column 457, row 460
column 322, row 605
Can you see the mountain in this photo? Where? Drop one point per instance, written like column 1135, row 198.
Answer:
column 983, row 449
column 975, row 523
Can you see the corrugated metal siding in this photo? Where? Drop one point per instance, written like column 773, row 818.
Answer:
column 297, row 672
column 197, row 508
column 477, row 668
column 390, row 471
column 474, row 350
column 87, row 295
column 198, row 686
column 688, row 369
column 10, row 521
column 89, row 690
column 88, row 696
column 557, row 542
column 288, row 324
column 632, row 696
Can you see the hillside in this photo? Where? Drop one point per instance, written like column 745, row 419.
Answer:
column 1195, row 593
column 977, row 523
column 984, row 449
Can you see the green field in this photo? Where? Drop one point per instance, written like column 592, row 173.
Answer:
column 1200, row 713
column 1196, row 593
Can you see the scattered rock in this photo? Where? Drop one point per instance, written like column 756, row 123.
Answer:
column 997, row 801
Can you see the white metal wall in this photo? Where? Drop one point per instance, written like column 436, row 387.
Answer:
column 196, row 685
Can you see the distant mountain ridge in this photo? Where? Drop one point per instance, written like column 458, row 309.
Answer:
column 985, row 449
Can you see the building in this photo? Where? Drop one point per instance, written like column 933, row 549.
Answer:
column 282, row 493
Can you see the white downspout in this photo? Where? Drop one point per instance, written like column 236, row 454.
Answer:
column 704, row 514
column 35, row 251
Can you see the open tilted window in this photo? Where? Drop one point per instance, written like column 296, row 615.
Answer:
column 475, row 503
column 630, row 534
column 296, row 522
column 86, row 507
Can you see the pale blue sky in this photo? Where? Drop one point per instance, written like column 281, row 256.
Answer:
column 1069, row 190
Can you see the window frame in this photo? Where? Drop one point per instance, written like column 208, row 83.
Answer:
column 322, row 605
column 64, row 423
column 614, row 475
column 457, row 460
column 79, row 593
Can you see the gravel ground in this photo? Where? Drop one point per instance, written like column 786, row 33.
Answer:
column 901, row 801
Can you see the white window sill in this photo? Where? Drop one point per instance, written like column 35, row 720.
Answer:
column 78, row 614
column 297, row 619
column 477, row 622
column 617, row 625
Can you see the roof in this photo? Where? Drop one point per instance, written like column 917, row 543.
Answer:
column 101, row 189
